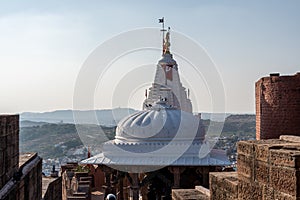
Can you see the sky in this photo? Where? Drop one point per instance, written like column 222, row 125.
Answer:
column 43, row 45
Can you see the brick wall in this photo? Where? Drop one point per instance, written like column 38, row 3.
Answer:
column 9, row 147
column 277, row 106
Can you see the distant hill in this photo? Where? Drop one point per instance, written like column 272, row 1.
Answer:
column 27, row 123
column 234, row 125
column 109, row 117
column 240, row 123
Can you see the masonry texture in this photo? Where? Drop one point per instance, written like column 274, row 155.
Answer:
column 277, row 106
column 267, row 170
column 21, row 174
column 9, row 147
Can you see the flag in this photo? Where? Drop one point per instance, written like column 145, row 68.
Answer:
column 168, row 72
column 161, row 20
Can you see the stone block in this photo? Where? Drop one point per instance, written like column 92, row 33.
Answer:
column 183, row 194
column 262, row 152
column 282, row 196
column 290, row 138
column 245, row 148
column 249, row 190
column 268, row 192
column 261, row 172
column 223, row 185
column 287, row 156
column 286, row 180
column 245, row 166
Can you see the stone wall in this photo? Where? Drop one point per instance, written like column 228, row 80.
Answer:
column 9, row 147
column 53, row 188
column 277, row 106
column 223, row 185
column 268, row 169
column 29, row 184
column 20, row 174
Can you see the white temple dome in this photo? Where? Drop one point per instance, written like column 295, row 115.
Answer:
column 167, row 59
column 160, row 124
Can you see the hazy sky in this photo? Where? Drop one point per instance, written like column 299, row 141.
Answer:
column 43, row 44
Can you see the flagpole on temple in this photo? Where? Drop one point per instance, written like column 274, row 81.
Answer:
column 162, row 20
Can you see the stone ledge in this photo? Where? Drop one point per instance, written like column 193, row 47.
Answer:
column 188, row 194
column 290, row 138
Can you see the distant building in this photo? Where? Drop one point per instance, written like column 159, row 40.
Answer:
column 277, row 106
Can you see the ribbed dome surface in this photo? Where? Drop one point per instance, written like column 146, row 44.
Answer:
column 159, row 124
column 167, row 60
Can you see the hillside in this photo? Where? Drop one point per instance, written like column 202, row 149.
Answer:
column 109, row 117
column 58, row 140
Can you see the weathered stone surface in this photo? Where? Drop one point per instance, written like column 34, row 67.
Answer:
column 282, row 196
column 249, row 190
column 290, row 138
column 245, row 148
column 203, row 190
column 268, row 192
column 288, row 156
column 223, row 185
column 286, row 180
column 188, row 194
column 261, row 172
column 245, row 166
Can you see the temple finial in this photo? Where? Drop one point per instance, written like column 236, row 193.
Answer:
column 167, row 43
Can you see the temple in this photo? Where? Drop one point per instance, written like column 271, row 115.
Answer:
column 161, row 147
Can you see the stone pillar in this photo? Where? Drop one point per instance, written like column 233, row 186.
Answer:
column 204, row 171
column 176, row 171
column 144, row 192
column 107, row 183
column 135, row 186
column 121, row 185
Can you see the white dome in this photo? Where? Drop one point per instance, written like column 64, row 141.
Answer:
column 160, row 124
column 168, row 60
